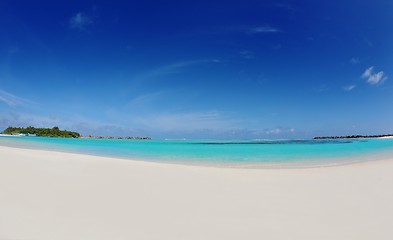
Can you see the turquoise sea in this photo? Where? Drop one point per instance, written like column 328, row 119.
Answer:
column 243, row 153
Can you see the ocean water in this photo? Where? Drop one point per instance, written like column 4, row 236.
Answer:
column 231, row 153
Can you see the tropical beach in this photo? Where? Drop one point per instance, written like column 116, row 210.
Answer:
column 54, row 195
column 196, row 120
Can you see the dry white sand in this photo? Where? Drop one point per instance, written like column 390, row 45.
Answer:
column 387, row 137
column 49, row 195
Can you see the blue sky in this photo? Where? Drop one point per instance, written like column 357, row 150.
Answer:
column 198, row 69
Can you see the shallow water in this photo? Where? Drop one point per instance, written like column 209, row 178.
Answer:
column 225, row 153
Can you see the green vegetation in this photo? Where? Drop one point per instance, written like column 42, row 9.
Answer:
column 42, row 132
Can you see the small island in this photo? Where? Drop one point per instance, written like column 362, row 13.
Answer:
column 41, row 132
column 355, row 136
column 56, row 132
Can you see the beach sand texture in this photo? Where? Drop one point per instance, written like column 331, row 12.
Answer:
column 51, row 195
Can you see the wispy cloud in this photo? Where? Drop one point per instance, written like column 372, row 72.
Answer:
column 263, row 29
column 374, row 78
column 12, row 100
column 203, row 124
column 13, row 50
column 349, row 88
column 80, row 21
column 185, row 122
column 170, row 68
column 354, row 61
column 145, row 101
column 74, row 123
column 323, row 88
column 367, row 41
column 246, row 54
column 280, row 131
column 174, row 68
column 18, row 119
column 368, row 72
column 273, row 131
column 249, row 30
column 286, row 6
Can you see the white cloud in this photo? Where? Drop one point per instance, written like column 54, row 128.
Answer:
column 349, row 88
column 282, row 131
column 367, row 73
column 12, row 100
column 354, row 61
column 274, row 131
column 80, row 21
column 279, row 130
column 374, row 78
column 204, row 124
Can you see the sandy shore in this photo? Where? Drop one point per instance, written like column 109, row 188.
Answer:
column 387, row 137
column 51, row 195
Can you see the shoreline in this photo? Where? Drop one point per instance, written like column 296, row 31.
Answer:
column 305, row 164
column 54, row 195
column 325, row 162
column 388, row 137
column 8, row 135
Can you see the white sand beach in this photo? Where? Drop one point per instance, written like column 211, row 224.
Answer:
column 387, row 137
column 51, row 195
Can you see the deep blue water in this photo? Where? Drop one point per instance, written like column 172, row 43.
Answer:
column 211, row 152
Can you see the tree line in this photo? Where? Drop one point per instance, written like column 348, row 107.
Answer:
column 355, row 136
column 42, row 132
